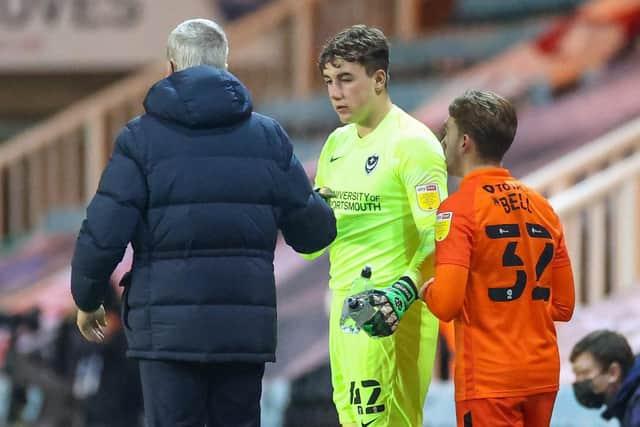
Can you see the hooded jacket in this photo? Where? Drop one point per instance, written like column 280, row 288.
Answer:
column 626, row 403
column 199, row 185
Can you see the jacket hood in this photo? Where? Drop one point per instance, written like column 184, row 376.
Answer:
column 629, row 386
column 200, row 97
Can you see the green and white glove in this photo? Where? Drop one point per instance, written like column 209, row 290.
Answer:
column 390, row 304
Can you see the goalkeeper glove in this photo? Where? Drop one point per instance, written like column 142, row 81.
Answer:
column 389, row 305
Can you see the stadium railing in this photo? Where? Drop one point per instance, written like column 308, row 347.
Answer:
column 596, row 192
column 594, row 157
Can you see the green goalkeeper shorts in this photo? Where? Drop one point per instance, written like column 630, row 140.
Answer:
column 382, row 381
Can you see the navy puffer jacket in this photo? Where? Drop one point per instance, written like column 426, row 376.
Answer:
column 200, row 186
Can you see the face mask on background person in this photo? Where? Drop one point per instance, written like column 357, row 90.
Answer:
column 586, row 395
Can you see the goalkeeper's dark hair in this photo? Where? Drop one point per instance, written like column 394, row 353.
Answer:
column 365, row 45
column 489, row 119
column 606, row 347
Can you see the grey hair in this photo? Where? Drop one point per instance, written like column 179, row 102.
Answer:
column 198, row 42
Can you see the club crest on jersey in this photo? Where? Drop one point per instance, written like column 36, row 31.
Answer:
column 443, row 225
column 428, row 196
column 372, row 162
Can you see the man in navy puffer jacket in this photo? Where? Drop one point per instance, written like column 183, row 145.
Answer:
column 199, row 185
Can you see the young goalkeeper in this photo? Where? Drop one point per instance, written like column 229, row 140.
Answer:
column 387, row 175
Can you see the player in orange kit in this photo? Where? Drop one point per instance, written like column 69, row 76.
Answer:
column 502, row 274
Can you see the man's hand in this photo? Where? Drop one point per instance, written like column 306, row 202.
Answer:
column 423, row 289
column 92, row 324
column 390, row 305
column 325, row 192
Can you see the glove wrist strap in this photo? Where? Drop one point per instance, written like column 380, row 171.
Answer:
column 407, row 288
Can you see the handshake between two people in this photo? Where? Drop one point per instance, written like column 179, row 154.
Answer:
column 377, row 311
column 325, row 192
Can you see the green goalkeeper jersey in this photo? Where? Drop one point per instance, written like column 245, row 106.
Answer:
column 388, row 186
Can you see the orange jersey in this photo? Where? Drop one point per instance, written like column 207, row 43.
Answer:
column 503, row 275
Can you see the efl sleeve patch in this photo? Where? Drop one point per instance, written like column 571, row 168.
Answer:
column 428, row 196
column 443, row 225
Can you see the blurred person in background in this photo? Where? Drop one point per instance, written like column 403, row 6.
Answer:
column 199, row 185
column 573, row 50
column 607, row 373
column 384, row 174
column 503, row 274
